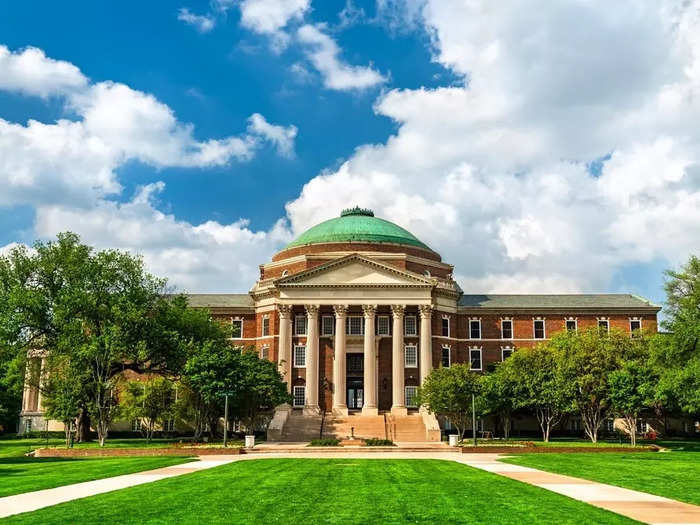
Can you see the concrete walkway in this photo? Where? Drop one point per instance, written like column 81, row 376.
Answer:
column 640, row 506
column 30, row 501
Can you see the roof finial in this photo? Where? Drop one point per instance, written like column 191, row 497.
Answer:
column 357, row 211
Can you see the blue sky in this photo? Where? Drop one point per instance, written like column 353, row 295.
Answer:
column 538, row 150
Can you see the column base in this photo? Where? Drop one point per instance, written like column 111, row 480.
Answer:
column 340, row 410
column 399, row 411
column 370, row 411
column 311, row 410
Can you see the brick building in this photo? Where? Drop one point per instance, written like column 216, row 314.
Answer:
column 357, row 311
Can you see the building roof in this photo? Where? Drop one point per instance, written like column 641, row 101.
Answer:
column 357, row 225
column 571, row 301
column 220, row 300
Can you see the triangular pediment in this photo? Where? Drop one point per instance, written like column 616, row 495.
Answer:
column 354, row 270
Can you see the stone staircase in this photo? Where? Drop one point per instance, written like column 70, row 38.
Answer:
column 363, row 427
column 409, row 428
column 300, row 428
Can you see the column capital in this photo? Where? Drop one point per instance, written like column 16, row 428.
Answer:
column 426, row 311
column 284, row 310
column 369, row 309
column 398, row 309
column 341, row 310
column 311, row 310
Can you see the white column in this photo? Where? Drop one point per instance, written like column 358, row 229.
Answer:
column 340, row 406
column 398, row 399
column 41, row 383
column 284, row 350
column 311, row 406
column 426, row 342
column 369, row 405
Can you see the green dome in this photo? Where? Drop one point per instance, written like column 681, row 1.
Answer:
column 357, row 225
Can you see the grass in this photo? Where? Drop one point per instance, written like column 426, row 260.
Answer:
column 24, row 474
column 674, row 474
column 329, row 491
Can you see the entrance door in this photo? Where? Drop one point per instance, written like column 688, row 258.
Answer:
column 356, row 393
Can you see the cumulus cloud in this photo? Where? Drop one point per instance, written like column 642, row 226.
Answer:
column 280, row 136
column 323, row 52
column 75, row 161
column 495, row 174
column 270, row 16
column 202, row 23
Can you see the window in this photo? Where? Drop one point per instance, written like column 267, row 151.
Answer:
column 409, row 325
column 299, row 396
column 355, row 325
column 642, row 426
column 571, row 325
column 506, row 329
column 445, row 357
column 300, row 325
column 136, row 425
column 506, row 352
column 411, row 356
column 411, row 392
column 237, row 328
column 383, row 325
column 169, row 425
column 475, row 329
column 285, row 273
column 475, row 358
column 538, row 325
column 445, row 327
column 327, row 322
column 265, row 352
column 603, row 326
column 27, row 425
column 635, row 327
column 300, row 356
column 610, row 426
column 265, row 326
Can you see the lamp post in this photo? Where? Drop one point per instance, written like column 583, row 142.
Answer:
column 226, row 394
column 473, row 421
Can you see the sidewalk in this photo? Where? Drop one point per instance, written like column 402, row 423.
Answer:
column 640, row 506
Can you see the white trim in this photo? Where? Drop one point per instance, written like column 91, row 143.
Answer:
column 481, row 358
column 473, row 320
column 262, row 350
column 388, row 324
column 449, row 327
column 405, row 355
column 544, row 328
column 506, row 349
column 348, row 324
column 237, row 320
column 294, row 356
column 407, row 397
column 306, row 324
column 605, row 320
column 449, row 355
column 415, row 326
column 265, row 317
column 512, row 328
column 636, row 320
column 569, row 320
column 294, row 392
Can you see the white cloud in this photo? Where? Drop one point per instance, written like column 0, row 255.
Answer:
column 270, row 16
column 202, row 23
column 282, row 137
column 207, row 257
column 75, row 161
column 31, row 72
column 324, row 54
column 494, row 174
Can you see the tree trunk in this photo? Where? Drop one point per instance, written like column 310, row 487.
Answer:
column 592, row 418
column 68, row 428
column 631, row 423
column 82, row 429
column 506, row 426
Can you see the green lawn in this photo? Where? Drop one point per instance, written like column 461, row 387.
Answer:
column 329, row 491
column 674, row 474
column 24, row 474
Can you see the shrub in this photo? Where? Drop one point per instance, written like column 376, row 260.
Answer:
column 376, row 442
column 326, row 442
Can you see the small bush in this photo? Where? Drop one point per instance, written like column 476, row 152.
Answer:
column 376, row 442
column 326, row 442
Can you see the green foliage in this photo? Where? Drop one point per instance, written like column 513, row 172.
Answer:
column 326, row 442
column 377, row 442
column 151, row 401
column 65, row 392
column 632, row 390
column 448, row 392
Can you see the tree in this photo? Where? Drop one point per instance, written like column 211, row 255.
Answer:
column 586, row 360
column 631, row 391
column 448, row 392
column 257, row 390
column 499, row 390
column 540, row 385
column 151, row 401
column 676, row 354
column 100, row 310
column 64, row 394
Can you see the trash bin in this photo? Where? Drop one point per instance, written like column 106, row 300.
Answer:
column 454, row 438
column 249, row 441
